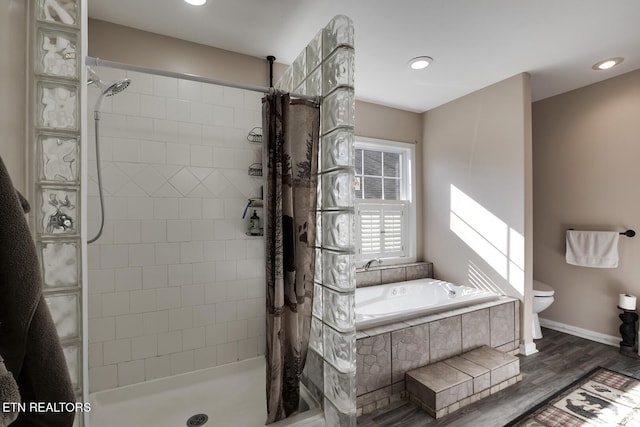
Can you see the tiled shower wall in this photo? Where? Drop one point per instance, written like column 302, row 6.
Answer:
column 395, row 273
column 175, row 284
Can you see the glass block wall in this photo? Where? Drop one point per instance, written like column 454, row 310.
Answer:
column 325, row 68
column 55, row 161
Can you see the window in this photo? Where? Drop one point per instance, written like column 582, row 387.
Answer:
column 385, row 209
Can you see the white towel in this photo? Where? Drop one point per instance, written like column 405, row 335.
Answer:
column 592, row 248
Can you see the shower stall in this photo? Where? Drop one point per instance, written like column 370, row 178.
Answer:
column 172, row 288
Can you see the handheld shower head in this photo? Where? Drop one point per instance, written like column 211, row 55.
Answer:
column 117, row 87
column 106, row 89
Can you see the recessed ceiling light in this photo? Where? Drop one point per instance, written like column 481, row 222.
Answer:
column 196, row 2
column 420, row 62
column 607, row 63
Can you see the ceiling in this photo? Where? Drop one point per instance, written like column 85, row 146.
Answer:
column 474, row 43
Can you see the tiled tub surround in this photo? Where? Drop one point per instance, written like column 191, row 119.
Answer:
column 384, row 354
column 175, row 285
column 393, row 273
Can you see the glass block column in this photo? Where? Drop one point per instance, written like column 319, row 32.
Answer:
column 55, row 160
column 326, row 69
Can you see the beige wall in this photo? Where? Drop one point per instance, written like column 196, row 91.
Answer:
column 378, row 121
column 586, row 175
column 13, row 48
column 123, row 44
column 475, row 182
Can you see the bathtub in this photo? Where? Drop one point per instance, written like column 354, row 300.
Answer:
column 231, row 395
column 393, row 302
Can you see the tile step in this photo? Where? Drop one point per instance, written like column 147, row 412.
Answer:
column 439, row 388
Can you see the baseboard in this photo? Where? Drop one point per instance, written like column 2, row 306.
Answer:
column 582, row 333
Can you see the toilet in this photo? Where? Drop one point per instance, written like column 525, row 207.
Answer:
column 542, row 299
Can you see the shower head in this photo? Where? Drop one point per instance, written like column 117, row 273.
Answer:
column 106, row 89
column 117, row 87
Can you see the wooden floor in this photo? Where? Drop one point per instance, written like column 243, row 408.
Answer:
column 561, row 360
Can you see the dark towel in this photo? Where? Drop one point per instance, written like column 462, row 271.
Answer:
column 29, row 341
column 26, row 207
column 8, row 394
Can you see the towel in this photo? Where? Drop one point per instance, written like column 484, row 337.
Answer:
column 8, row 394
column 29, row 341
column 592, row 248
column 24, row 203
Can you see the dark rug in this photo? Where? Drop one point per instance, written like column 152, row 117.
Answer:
column 600, row 398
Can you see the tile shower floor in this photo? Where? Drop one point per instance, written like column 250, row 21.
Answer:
column 561, row 360
column 231, row 395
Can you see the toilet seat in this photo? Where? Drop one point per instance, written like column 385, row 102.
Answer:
column 542, row 289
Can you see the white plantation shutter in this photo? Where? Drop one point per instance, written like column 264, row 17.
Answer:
column 392, row 226
column 370, row 228
column 382, row 228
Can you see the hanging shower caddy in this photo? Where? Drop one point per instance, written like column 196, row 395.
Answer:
column 255, row 135
column 254, row 169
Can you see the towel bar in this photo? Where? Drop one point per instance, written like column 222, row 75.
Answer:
column 628, row 233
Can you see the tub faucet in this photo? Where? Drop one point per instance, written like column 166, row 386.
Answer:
column 367, row 266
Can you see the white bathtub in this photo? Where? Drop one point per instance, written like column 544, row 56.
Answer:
column 393, row 302
column 231, row 395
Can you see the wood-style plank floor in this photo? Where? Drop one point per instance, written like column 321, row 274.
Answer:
column 561, row 360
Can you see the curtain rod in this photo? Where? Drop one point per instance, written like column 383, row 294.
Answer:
column 186, row 76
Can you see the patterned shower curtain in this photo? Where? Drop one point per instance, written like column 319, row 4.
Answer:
column 290, row 135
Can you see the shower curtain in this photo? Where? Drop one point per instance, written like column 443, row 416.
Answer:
column 290, row 135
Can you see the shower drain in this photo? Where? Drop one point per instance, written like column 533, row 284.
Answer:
column 197, row 420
